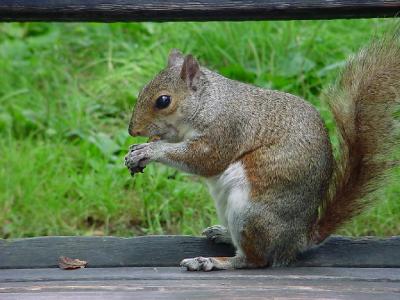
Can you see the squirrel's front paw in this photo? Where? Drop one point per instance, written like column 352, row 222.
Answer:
column 198, row 264
column 218, row 234
column 138, row 157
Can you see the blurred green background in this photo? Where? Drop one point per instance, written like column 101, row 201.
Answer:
column 67, row 92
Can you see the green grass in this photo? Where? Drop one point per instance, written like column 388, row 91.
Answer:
column 67, row 92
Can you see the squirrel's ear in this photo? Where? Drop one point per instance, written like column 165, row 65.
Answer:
column 190, row 71
column 175, row 57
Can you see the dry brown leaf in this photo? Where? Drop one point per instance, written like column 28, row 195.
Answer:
column 67, row 263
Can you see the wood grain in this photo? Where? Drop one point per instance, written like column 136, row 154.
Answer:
column 175, row 273
column 158, row 251
column 173, row 283
column 188, row 10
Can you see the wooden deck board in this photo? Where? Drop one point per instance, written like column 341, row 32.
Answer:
column 175, row 283
column 188, row 10
column 167, row 251
column 146, row 268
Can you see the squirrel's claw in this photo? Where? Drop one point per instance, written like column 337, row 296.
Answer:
column 137, row 158
column 135, row 170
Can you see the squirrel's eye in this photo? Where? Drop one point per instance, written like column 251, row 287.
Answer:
column 163, row 101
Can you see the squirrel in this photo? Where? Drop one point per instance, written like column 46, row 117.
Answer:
column 266, row 155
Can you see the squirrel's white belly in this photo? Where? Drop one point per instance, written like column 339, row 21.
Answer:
column 230, row 191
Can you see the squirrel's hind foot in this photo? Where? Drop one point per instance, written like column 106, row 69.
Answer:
column 214, row 263
column 198, row 264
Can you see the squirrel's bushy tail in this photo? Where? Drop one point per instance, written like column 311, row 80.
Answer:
column 363, row 104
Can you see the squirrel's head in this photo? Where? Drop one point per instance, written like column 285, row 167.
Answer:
column 163, row 103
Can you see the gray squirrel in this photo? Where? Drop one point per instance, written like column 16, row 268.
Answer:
column 266, row 155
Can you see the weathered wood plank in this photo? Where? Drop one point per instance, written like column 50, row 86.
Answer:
column 208, row 289
column 350, row 252
column 160, row 251
column 172, row 283
column 188, row 10
column 8, row 276
column 204, row 289
column 153, row 251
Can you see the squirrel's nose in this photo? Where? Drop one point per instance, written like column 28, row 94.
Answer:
column 135, row 132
